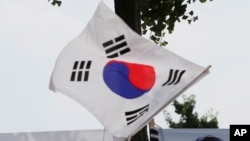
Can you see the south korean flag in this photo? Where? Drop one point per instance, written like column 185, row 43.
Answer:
column 123, row 79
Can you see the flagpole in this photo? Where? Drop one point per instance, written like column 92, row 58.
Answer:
column 152, row 123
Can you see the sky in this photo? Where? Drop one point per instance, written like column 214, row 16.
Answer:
column 33, row 33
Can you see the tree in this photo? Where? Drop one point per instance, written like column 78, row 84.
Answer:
column 155, row 17
column 189, row 118
column 129, row 11
column 55, row 2
column 161, row 15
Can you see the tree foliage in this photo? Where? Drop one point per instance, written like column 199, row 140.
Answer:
column 159, row 16
column 189, row 118
column 56, row 2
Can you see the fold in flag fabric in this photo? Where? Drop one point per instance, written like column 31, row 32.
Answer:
column 122, row 78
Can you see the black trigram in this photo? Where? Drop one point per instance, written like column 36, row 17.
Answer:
column 80, row 71
column 116, row 47
column 174, row 77
column 132, row 116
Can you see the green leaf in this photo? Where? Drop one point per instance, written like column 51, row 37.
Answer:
column 191, row 13
column 203, row 1
column 144, row 32
column 56, row 2
column 184, row 17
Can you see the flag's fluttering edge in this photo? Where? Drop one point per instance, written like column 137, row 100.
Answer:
column 122, row 78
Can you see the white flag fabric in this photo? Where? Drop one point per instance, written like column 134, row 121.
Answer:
column 122, row 78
